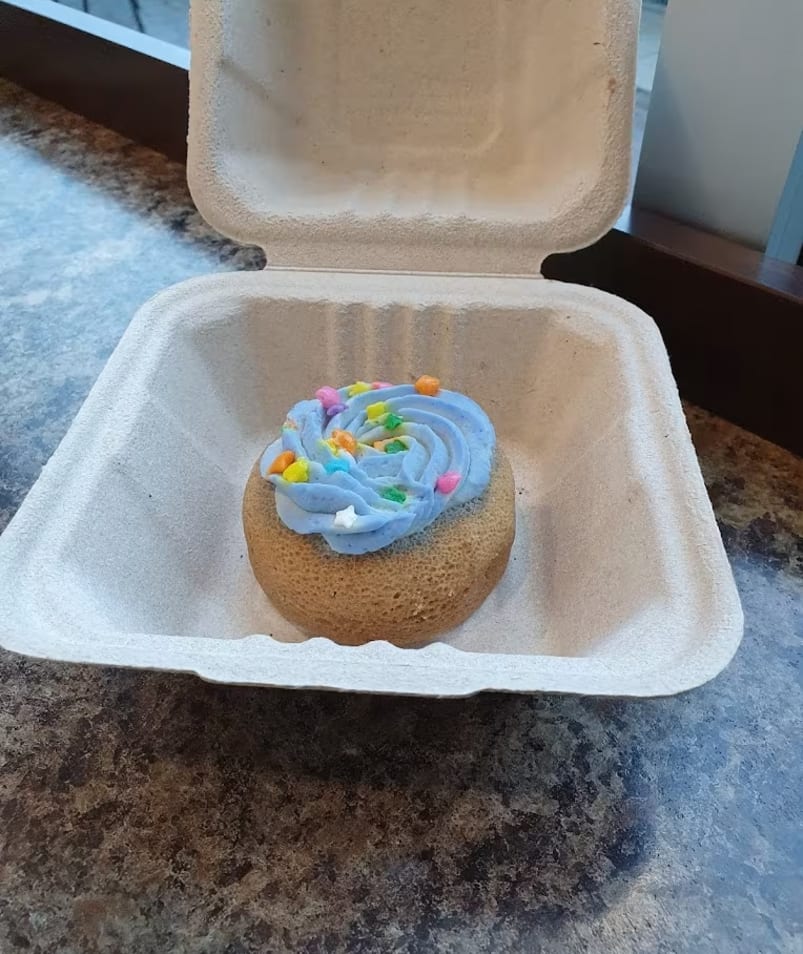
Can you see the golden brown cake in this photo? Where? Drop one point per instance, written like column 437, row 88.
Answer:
column 382, row 512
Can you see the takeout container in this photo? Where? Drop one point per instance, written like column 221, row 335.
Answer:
column 406, row 168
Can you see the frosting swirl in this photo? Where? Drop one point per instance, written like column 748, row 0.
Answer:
column 399, row 455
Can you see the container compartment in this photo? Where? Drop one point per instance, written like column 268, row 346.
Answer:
column 130, row 547
column 431, row 135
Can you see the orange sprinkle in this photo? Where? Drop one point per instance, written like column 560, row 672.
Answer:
column 428, row 385
column 346, row 440
column 380, row 445
column 282, row 462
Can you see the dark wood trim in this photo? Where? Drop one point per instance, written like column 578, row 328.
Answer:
column 117, row 77
column 732, row 318
column 712, row 251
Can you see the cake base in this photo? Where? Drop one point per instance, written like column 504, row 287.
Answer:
column 406, row 593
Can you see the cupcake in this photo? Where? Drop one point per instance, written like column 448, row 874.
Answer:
column 381, row 512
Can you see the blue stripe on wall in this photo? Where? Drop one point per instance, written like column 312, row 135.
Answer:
column 786, row 235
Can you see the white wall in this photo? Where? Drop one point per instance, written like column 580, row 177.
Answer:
column 726, row 114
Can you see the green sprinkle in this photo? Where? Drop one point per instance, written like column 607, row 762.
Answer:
column 394, row 494
column 392, row 421
column 395, row 447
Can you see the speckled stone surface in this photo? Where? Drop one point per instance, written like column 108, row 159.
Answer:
column 143, row 812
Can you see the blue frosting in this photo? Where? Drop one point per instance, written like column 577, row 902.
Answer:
column 448, row 432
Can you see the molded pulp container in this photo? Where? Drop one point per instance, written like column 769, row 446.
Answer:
column 406, row 167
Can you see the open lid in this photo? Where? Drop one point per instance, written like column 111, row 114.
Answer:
column 473, row 136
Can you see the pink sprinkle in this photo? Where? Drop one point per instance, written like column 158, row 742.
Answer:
column 378, row 385
column 327, row 396
column 334, row 409
column 447, row 482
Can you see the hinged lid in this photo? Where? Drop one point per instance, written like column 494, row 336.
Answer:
column 425, row 135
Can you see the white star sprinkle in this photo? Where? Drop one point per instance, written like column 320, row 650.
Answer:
column 346, row 518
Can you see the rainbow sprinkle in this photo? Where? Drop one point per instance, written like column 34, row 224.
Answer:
column 297, row 472
column 394, row 494
column 392, row 421
column 374, row 411
column 395, row 447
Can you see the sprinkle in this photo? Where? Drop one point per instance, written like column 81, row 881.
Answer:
column 290, row 425
column 335, row 409
column 392, row 421
column 298, row 472
column 379, row 385
column 376, row 410
column 428, row 385
column 346, row 518
column 447, row 482
column 395, row 447
column 384, row 444
column 328, row 396
column 394, row 494
column 336, row 464
column 345, row 439
column 359, row 387
column 282, row 462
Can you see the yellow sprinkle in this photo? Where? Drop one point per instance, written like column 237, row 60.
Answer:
column 376, row 410
column 359, row 387
column 332, row 443
column 297, row 472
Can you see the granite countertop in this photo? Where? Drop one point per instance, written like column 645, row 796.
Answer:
column 148, row 812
